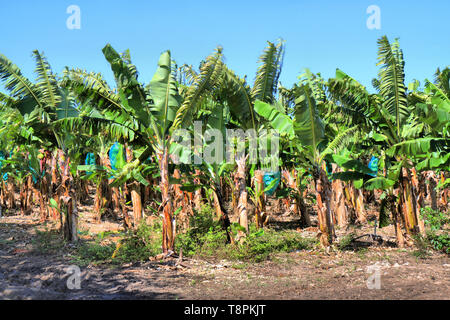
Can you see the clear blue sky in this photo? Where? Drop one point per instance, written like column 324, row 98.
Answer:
column 321, row 35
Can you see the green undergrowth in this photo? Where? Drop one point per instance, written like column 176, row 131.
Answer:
column 134, row 246
column 48, row 241
column 207, row 239
column 437, row 235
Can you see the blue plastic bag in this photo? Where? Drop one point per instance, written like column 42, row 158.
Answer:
column 117, row 157
column 373, row 166
column 90, row 160
column 268, row 178
column 2, row 157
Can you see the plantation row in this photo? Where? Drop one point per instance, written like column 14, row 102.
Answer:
column 341, row 148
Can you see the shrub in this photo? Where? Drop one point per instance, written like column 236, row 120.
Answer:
column 434, row 219
column 207, row 239
column 439, row 242
column 94, row 252
column 436, row 238
column 140, row 244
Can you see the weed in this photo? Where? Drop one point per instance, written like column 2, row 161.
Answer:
column 239, row 266
column 439, row 242
column 346, row 242
column 434, row 219
column 207, row 239
column 48, row 241
column 135, row 245
column 436, row 238
column 93, row 253
column 140, row 244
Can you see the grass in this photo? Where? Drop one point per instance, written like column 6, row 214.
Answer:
column 48, row 241
column 239, row 266
column 134, row 246
column 206, row 239
column 92, row 253
column 437, row 237
column 346, row 243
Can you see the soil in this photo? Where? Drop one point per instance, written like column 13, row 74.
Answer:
column 28, row 273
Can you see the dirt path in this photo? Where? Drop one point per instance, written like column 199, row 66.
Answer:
column 27, row 273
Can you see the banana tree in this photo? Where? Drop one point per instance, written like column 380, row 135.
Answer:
column 305, row 129
column 240, row 98
column 41, row 104
column 395, row 125
column 144, row 115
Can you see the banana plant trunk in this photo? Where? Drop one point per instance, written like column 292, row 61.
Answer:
column 418, row 184
column 68, row 201
column 298, row 205
column 340, row 209
column 444, row 193
column 166, row 202
column 432, row 194
column 25, row 199
column 69, row 218
column 136, row 199
column 127, row 221
column 181, row 200
column 11, row 189
column 359, row 205
column 222, row 212
column 240, row 184
column 3, row 194
column 115, row 200
column 410, row 210
column 43, row 197
column 197, row 193
column 395, row 205
column 323, row 196
column 261, row 217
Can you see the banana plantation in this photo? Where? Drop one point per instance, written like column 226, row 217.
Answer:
column 346, row 162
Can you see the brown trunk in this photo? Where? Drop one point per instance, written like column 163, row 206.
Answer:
column 341, row 212
column 136, row 199
column 261, row 216
column 127, row 223
column 444, row 193
column 22, row 198
column 181, row 200
column 298, row 205
column 323, row 194
column 2, row 195
column 56, row 211
column 83, row 191
column 291, row 183
column 418, row 185
column 30, row 195
column 217, row 206
column 166, row 205
column 411, row 215
column 43, row 200
column 115, row 202
column 396, row 214
column 69, row 218
column 359, row 206
column 221, row 211
column 11, row 191
column 242, row 193
column 432, row 190
column 197, row 193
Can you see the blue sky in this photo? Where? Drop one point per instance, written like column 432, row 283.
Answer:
column 320, row 35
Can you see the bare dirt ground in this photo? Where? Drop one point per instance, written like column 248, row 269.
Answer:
column 27, row 273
